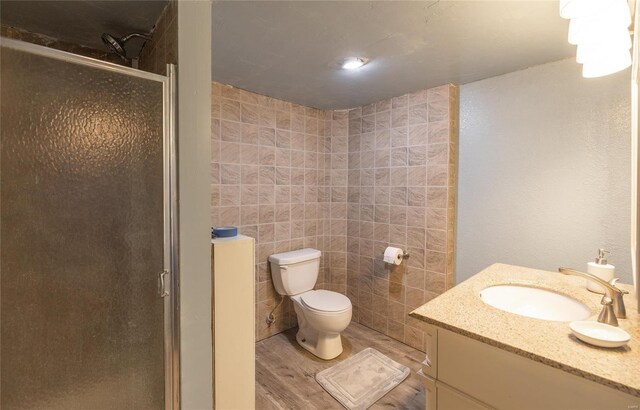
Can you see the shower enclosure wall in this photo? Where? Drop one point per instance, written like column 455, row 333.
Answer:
column 88, row 268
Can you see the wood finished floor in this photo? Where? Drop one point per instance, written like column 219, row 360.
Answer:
column 285, row 372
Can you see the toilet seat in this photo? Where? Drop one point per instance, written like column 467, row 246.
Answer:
column 325, row 301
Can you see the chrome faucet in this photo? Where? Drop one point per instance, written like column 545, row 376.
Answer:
column 612, row 302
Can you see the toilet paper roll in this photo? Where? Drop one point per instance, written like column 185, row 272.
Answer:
column 393, row 255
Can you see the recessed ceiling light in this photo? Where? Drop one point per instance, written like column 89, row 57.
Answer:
column 352, row 63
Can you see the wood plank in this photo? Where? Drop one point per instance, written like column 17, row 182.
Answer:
column 285, row 372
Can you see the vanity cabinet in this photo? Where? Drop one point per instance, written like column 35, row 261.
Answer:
column 463, row 373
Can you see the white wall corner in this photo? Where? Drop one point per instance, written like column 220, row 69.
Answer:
column 194, row 125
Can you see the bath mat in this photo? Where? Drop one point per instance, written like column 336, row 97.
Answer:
column 362, row 379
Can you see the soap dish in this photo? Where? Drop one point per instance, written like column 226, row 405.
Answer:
column 599, row 334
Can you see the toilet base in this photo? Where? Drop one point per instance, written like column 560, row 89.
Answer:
column 319, row 333
column 324, row 346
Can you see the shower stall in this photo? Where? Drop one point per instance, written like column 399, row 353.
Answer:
column 88, row 233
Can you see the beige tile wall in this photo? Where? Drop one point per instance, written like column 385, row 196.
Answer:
column 337, row 166
column 268, row 172
column 163, row 47
column 349, row 183
column 401, row 186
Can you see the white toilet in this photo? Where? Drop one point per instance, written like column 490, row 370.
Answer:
column 322, row 314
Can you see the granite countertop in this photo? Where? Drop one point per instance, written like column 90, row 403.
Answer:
column 461, row 310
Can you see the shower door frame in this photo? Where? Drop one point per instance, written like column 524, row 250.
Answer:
column 170, row 202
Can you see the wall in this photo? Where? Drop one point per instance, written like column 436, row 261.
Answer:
column 635, row 157
column 182, row 36
column 268, row 178
column 163, row 47
column 544, row 170
column 400, row 180
column 336, row 165
column 348, row 183
column 194, row 146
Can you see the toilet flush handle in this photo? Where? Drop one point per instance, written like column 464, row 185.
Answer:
column 284, row 267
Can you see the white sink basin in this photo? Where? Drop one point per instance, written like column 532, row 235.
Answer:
column 534, row 302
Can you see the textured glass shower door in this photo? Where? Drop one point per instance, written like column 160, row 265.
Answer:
column 83, row 207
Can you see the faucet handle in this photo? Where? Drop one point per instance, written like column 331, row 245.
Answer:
column 618, row 300
column 607, row 315
column 606, row 300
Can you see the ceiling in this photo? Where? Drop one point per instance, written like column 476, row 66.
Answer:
column 289, row 49
column 83, row 21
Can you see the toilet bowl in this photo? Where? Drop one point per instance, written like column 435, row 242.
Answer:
column 322, row 314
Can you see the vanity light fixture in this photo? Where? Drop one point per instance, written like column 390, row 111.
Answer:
column 351, row 63
column 600, row 29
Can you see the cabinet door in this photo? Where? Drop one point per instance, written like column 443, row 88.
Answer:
column 439, row 396
column 508, row 381
column 430, row 392
column 450, row 399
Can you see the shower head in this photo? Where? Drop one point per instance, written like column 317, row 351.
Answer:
column 114, row 45
column 117, row 44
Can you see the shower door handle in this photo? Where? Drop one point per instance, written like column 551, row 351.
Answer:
column 162, row 290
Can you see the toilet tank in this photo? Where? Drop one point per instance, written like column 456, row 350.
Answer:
column 295, row 272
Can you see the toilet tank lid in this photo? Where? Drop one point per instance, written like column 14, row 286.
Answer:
column 300, row 255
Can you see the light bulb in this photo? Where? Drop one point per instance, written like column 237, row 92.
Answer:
column 595, row 51
column 611, row 21
column 570, row 9
column 352, row 63
column 606, row 44
column 600, row 29
column 607, row 64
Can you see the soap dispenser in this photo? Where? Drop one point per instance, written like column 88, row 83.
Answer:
column 601, row 269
